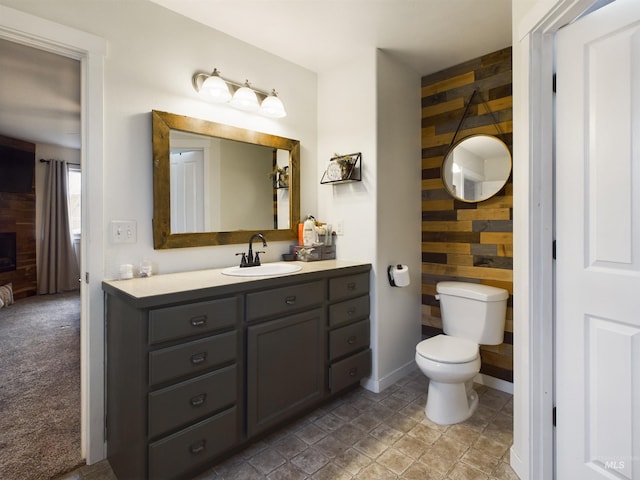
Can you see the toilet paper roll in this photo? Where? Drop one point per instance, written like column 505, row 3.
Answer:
column 401, row 275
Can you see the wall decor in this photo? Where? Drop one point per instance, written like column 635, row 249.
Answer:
column 164, row 125
column 343, row 168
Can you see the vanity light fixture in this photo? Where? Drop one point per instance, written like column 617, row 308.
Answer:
column 216, row 88
column 272, row 106
column 245, row 98
column 241, row 96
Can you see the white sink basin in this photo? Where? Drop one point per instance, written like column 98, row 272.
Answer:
column 264, row 270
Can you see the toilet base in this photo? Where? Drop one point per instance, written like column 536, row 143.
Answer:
column 449, row 403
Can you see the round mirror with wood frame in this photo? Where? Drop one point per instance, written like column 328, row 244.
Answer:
column 476, row 168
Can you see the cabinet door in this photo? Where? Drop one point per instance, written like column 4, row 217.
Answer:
column 341, row 288
column 349, row 371
column 346, row 340
column 284, row 300
column 193, row 447
column 192, row 319
column 188, row 359
column 285, row 370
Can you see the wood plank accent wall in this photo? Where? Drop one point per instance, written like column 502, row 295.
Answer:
column 470, row 242
column 18, row 214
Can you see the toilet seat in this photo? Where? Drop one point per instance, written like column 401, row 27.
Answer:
column 446, row 349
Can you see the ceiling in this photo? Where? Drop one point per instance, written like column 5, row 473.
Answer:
column 39, row 96
column 427, row 35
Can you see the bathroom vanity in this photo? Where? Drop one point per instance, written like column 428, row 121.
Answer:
column 200, row 363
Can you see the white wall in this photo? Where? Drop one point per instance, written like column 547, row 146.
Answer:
column 152, row 55
column 347, row 124
column 372, row 105
column 399, row 213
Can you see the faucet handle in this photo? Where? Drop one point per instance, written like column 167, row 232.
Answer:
column 243, row 261
column 256, row 259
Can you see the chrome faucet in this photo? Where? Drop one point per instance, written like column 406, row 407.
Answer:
column 249, row 260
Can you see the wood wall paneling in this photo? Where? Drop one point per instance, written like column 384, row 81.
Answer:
column 18, row 214
column 470, row 242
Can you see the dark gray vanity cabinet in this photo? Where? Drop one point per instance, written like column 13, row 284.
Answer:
column 173, row 385
column 194, row 374
column 348, row 330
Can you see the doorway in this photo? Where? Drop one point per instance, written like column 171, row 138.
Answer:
column 597, row 329
column 534, row 42
column 90, row 50
column 41, row 372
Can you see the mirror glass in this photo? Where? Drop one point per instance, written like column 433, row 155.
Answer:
column 202, row 202
column 476, row 168
column 215, row 184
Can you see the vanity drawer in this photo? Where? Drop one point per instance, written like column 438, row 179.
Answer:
column 283, row 300
column 192, row 319
column 192, row 357
column 192, row 447
column 349, row 371
column 348, row 286
column 349, row 311
column 184, row 402
column 345, row 340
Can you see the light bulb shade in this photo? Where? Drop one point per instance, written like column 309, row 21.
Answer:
column 272, row 107
column 216, row 89
column 245, row 99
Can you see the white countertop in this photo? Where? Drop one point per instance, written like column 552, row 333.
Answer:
column 199, row 279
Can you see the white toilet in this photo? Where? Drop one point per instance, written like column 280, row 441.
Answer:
column 472, row 314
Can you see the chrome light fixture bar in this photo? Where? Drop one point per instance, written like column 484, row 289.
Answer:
column 241, row 96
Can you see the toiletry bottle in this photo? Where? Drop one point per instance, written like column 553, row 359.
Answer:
column 309, row 231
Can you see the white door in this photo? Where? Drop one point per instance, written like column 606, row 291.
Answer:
column 598, row 245
column 187, row 191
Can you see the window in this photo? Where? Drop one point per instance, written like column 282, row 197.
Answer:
column 74, row 177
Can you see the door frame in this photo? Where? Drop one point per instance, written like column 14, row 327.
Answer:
column 90, row 50
column 533, row 450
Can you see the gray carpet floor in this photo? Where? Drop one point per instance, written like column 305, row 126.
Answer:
column 40, row 387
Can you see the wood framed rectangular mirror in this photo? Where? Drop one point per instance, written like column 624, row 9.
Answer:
column 228, row 191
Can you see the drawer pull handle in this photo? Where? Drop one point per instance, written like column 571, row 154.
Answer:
column 199, row 321
column 352, row 340
column 290, row 300
column 353, row 372
column 199, row 447
column 352, row 311
column 351, row 286
column 198, row 400
column 198, row 358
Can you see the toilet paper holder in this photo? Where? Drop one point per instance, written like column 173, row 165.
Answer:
column 398, row 268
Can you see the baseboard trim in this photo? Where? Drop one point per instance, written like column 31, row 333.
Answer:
column 517, row 465
column 378, row 386
column 497, row 383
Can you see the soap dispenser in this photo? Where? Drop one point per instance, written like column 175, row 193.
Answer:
column 309, row 235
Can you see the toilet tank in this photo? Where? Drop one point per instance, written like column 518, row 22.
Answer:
column 473, row 311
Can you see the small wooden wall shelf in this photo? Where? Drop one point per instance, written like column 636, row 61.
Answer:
column 343, row 169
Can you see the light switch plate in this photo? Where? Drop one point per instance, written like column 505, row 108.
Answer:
column 124, row 231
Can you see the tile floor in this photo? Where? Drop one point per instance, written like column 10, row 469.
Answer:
column 369, row 436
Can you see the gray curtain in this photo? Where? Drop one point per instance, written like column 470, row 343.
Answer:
column 59, row 271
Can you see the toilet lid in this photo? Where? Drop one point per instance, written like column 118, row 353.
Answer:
column 446, row 349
